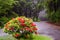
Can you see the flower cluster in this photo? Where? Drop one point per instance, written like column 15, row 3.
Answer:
column 20, row 27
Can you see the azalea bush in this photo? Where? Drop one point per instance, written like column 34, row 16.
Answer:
column 20, row 27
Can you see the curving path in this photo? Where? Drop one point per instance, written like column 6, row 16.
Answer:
column 48, row 29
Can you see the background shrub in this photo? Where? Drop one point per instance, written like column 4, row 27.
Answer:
column 6, row 12
column 6, row 5
column 14, row 8
column 53, row 10
column 28, row 8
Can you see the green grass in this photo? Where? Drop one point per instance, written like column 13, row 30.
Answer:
column 40, row 37
column 36, row 37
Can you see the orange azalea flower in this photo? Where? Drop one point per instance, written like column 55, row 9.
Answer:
column 21, row 20
column 8, row 23
column 6, row 26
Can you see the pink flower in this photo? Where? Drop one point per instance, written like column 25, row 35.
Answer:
column 23, row 24
column 27, row 29
column 21, row 20
column 32, row 24
column 12, row 28
column 17, row 35
column 34, row 28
